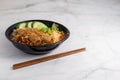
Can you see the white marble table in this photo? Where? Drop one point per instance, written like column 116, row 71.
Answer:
column 94, row 24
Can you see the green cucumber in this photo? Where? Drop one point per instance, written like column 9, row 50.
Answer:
column 39, row 25
column 62, row 32
column 29, row 24
column 44, row 29
column 55, row 27
column 22, row 25
column 49, row 31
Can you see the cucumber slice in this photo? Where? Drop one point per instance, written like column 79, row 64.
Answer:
column 49, row 31
column 22, row 25
column 62, row 32
column 55, row 27
column 29, row 25
column 44, row 29
column 39, row 25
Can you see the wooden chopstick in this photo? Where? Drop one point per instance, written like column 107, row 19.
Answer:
column 39, row 60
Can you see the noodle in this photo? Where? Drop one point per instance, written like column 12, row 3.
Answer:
column 34, row 37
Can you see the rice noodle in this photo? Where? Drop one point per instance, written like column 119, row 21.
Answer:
column 34, row 37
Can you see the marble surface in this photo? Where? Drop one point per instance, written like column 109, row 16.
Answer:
column 93, row 24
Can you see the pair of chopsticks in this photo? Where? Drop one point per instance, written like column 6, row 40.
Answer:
column 39, row 60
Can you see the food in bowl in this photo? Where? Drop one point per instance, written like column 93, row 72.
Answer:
column 46, row 27
column 36, row 33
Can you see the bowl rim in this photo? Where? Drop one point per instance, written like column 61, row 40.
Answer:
column 66, row 35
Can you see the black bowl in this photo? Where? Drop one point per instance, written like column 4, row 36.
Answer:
column 37, row 49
